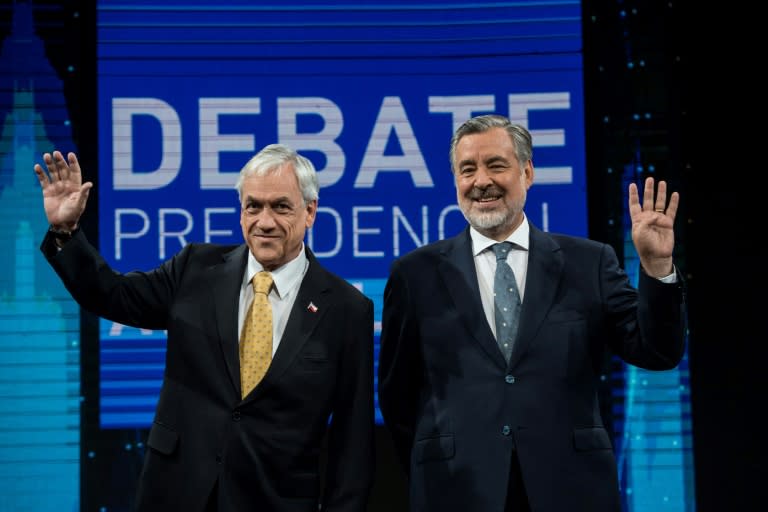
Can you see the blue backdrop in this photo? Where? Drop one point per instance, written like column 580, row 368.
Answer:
column 370, row 93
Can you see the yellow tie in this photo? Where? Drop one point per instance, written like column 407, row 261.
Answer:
column 256, row 336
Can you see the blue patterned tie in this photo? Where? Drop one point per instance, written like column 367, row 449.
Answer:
column 506, row 300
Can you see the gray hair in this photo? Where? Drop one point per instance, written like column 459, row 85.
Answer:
column 274, row 156
column 520, row 136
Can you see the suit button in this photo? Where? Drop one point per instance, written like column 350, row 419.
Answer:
column 510, row 379
column 236, row 415
column 506, row 430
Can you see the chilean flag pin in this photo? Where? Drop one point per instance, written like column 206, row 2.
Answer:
column 312, row 308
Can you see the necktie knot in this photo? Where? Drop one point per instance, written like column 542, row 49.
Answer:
column 501, row 250
column 262, row 282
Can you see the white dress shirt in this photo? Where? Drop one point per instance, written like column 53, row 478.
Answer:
column 485, row 265
column 286, row 282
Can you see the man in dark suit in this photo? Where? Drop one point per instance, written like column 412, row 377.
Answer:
column 490, row 423
column 215, row 445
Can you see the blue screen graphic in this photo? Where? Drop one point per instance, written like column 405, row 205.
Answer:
column 371, row 94
column 40, row 396
column 188, row 91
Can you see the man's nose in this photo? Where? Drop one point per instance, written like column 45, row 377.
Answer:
column 266, row 219
column 482, row 177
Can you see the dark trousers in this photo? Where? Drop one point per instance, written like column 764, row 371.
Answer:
column 213, row 499
column 517, row 498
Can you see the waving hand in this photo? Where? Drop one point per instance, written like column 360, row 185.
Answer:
column 64, row 193
column 652, row 226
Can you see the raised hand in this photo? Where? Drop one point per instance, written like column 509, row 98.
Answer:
column 64, row 193
column 652, row 226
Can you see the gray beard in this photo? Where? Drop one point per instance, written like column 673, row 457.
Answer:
column 487, row 220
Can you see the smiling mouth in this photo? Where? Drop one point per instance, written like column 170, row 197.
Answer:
column 489, row 200
column 488, row 195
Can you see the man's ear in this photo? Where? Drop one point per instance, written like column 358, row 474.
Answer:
column 528, row 170
column 311, row 213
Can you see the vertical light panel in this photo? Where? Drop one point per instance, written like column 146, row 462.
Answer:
column 652, row 424
column 39, row 323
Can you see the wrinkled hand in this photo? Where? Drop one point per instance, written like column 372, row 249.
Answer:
column 64, row 193
column 652, row 227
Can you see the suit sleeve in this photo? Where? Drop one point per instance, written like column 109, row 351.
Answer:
column 350, row 467
column 400, row 366
column 648, row 325
column 138, row 299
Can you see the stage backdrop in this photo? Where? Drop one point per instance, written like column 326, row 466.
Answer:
column 188, row 92
column 371, row 93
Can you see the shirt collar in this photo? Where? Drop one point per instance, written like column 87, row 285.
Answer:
column 519, row 237
column 284, row 277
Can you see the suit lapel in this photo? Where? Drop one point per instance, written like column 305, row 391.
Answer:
column 224, row 280
column 312, row 303
column 457, row 269
column 545, row 267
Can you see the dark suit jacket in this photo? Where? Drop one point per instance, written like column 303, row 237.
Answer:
column 264, row 450
column 459, row 413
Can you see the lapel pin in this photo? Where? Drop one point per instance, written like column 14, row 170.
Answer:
column 312, row 308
